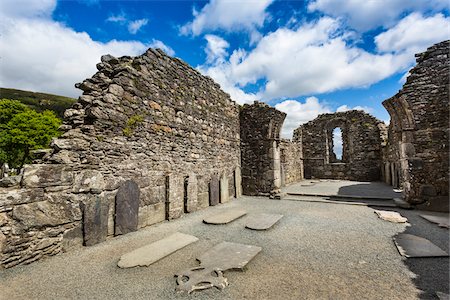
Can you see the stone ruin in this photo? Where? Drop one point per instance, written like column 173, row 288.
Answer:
column 416, row 157
column 361, row 146
column 151, row 139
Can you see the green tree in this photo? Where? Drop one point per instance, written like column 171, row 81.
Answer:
column 24, row 130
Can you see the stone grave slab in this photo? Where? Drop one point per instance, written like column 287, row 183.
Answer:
column 95, row 220
column 409, row 245
column 442, row 221
column 262, row 221
column 214, row 191
column 213, row 263
column 127, row 208
column 153, row 252
column 443, row 296
column 391, row 216
column 224, row 217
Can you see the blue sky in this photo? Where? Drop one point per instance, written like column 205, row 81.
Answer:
column 303, row 57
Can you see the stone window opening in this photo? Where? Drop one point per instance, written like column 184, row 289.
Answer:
column 337, row 145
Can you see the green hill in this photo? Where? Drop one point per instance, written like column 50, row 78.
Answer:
column 39, row 101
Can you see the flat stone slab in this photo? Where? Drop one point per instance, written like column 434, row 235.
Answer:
column 224, row 217
column 153, row 252
column 262, row 221
column 391, row 216
column 410, row 245
column 222, row 257
column 440, row 220
column 443, row 296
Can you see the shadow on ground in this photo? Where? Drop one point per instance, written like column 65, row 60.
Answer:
column 432, row 273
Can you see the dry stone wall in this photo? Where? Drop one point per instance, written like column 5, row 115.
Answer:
column 260, row 148
column 141, row 145
column 417, row 154
column 361, row 137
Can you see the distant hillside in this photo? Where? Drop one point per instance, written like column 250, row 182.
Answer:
column 39, row 101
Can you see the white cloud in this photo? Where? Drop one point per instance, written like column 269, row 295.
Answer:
column 39, row 54
column 368, row 14
column 27, row 8
column 159, row 44
column 117, row 19
column 299, row 113
column 228, row 15
column 345, row 107
column 136, row 25
column 313, row 59
column 216, row 49
column 414, row 34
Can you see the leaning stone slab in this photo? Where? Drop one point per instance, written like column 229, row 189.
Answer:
column 222, row 257
column 409, row 245
column 440, row 220
column 391, row 216
column 262, row 221
column 127, row 208
column 225, row 217
column 153, row 252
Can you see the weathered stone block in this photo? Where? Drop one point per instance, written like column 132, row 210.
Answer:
column 214, row 191
column 10, row 197
column 175, row 196
column 95, row 219
column 151, row 214
column 72, row 238
column 192, row 193
column 224, row 190
column 89, row 181
column 127, row 208
column 45, row 213
column 46, row 175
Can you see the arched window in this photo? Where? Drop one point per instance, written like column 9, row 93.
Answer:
column 337, row 144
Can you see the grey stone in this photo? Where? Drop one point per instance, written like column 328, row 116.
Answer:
column 149, row 254
column 214, row 191
column 224, row 190
column 262, row 221
column 442, row 221
column 45, row 213
column 95, row 220
column 88, row 181
column 222, row 257
column 409, row 245
column 46, row 175
column 224, row 217
column 127, row 208
column 10, row 181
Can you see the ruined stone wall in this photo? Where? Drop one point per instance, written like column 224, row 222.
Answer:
column 260, row 148
column 291, row 162
column 150, row 139
column 361, row 137
column 419, row 131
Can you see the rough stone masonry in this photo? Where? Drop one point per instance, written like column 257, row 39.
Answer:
column 152, row 139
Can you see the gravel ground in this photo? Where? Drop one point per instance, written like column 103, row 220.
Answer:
column 317, row 251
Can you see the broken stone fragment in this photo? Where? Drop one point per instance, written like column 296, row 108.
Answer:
column 390, row 216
